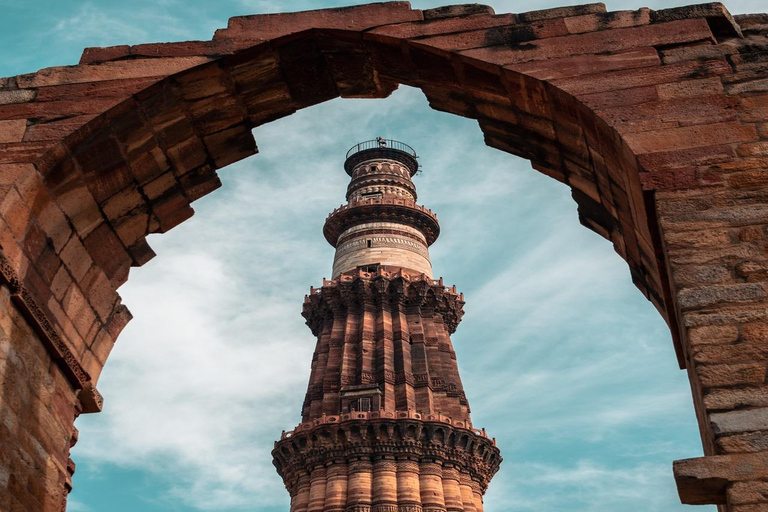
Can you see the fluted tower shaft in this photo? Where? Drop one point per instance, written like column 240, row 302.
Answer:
column 385, row 422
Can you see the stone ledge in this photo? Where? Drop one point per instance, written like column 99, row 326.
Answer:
column 720, row 20
column 704, row 480
column 454, row 11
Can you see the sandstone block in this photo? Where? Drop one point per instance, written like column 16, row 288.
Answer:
column 733, row 398
column 727, row 315
column 613, row 98
column 100, row 293
column 108, row 71
column 562, row 12
column 656, row 76
column 607, row 20
column 755, row 333
column 230, row 145
column 509, row 35
column 753, row 272
column 450, row 11
column 731, row 353
column 716, row 14
column 270, row 26
column 713, row 334
column 108, row 252
column 701, row 238
column 94, row 55
column 704, row 296
column 670, row 113
column 749, row 179
column 755, row 507
column 437, row 26
column 697, row 52
column 754, row 108
column 690, row 137
column 702, row 274
column 722, row 375
column 118, row 320
column 749, row 442
column 123, row 202
column 16, row 96
column 734, row 422
column 113, row 88
column 564, row 67
column 615, row 40
column 758, row 85
column 704, row 480
column 690, row 88
column 77, row 308
column 12, row 131
column 171, row 210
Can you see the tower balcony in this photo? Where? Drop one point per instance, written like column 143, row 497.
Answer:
column 383, row 208
column 381, row 149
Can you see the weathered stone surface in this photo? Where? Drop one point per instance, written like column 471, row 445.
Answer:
column 12, row 131
column 739, row 421
column 743, row 443
column 748, row 492
column 716, row 14
column 713, row 335
column 451, row 11
column 108, row 71
column 713, row 376
column 16, row 96
column 704, row 480
column 595, row 42
column 271, row 26
column 709, row 295
column 733, row 398
column 657, row 121
column 562, row 12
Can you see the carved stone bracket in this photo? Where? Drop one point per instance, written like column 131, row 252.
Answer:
column 351, row 290
column 470, row 452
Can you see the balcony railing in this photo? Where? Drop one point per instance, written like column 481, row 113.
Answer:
column 380, row 143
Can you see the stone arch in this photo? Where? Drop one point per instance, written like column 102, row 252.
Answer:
column 655, row 119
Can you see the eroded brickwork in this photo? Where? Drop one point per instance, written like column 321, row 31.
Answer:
column 657, row 121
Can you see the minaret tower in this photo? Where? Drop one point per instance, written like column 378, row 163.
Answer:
column 385, row 423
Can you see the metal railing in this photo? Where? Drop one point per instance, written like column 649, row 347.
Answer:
column 379, row 143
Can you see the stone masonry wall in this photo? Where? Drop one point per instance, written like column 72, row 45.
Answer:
column 656, row 120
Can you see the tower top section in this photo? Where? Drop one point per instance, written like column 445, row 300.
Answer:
column 381, row 224
column 380, row 148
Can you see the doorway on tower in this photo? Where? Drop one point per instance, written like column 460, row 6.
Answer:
column 370, row 268
column 361, row 398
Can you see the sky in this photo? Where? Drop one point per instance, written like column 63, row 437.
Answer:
column 564, row 362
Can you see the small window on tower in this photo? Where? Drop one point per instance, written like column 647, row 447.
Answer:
column 369, row 243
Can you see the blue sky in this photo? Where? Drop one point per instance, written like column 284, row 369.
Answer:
column 563, row 360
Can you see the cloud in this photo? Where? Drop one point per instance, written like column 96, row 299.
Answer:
column 76, row 506
column 585, row 485
column 559, row 354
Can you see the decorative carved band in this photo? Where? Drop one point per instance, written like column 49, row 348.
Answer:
column 367, row 232
column 351, row 291
column 386, row 209
column 36, row 316
column 382, row 440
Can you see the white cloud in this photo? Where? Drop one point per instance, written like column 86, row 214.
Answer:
column 76, row 506
column 584, row 485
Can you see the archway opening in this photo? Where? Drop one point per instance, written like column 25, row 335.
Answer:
column 554, row 329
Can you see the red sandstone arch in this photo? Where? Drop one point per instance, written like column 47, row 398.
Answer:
column 657, row 120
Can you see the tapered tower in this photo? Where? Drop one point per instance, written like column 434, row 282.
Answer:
column 385, row 423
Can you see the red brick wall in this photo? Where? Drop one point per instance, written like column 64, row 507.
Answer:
column 657, row 121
